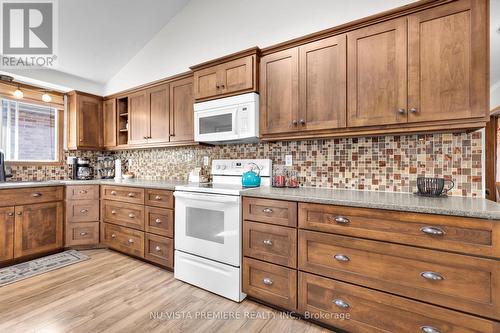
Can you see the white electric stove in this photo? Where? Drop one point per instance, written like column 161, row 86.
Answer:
column 208, row 228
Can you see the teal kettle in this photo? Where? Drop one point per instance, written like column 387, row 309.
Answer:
column 251, row 178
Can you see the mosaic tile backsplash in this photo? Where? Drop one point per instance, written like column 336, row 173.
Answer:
column 385, row 163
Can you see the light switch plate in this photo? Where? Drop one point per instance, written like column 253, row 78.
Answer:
column 288, row 160
column 205, row 160
column 70, row 160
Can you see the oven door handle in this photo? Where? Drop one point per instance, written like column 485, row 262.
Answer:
column 208, row 197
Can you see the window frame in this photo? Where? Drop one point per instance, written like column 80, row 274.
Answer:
column 60, row 135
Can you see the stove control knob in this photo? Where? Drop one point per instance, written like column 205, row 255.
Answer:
column 223, row 167
column 217, row 167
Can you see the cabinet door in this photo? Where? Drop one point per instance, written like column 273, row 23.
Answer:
column 138, row 117
column 207, row 82
column 447, row 64
column 39, row 228
column 279, row 93
column 377, row 84
column 237, row 75
column 6, row 233
column 323, row 79
column 159, row 114
column 181, row 110
column 89, row 122
column 109, row 120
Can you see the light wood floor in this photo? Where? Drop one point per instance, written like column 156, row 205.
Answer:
column 114, row 293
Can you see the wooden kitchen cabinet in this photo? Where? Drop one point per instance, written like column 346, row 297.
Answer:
column 138, row 118
column 377, row 74
column 109, row 117
column 84, row 121
column 7, row 219
column 181, row 110
column 159, row 120
column 227, row 76
column 38, row 228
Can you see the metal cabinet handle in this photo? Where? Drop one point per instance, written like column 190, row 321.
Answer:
column 36, row 195
column 341, row 258
column 267, row 281
column 10, row 214
column 217, row 86
column 429, row 329
column 113, row 192
column 340, row 303
column 131, row 241
column 113, row 212
column 267, row 210
column 158, row 198
column 157, row 248
column 402, row 111
column 434, row 231
column 113, row 236
column 223, row 86
column 84, row 211
column 131, row 215
column 83, row 233
column 83, row 191
column 294, row 122
column 131, row 195
column 432, row 276
column 302, row 121
column 157, row 221
column 267, row 242
column 341, row 220
column 19, row 213
column 413, row 110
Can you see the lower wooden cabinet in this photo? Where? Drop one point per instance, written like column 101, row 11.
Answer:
column 38, row 229
column 270, row 283
column 123, row 239
column 357, row 309
column 124, row 214
column 159, row 250
column 7, row 220
column 86, row 233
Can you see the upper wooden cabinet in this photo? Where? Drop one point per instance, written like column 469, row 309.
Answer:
column 231, row 75
column 109, row 123
column 138, row 117
column 159, row 119
column 84, row 121
column 181, row 110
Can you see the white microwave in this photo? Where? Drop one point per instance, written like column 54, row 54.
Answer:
column 232, row 119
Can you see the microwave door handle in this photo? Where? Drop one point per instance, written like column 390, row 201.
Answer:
column 207, row 197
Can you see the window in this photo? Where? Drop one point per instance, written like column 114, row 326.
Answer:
column 29, row 132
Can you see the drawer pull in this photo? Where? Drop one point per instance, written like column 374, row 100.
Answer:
column 83, row 233
column 131, row 215
column 267, row 242
column 84, row 211
column 340, row 303
column 157, row 248
column 83, row 192
column 341, row 257
column 429, row 329
column 113, row 236
column 113, row 212
column 131, row 195
column 267, row 210
column 434, row 231
column 113, row 192
column 36, row 195
column 267, row 281
column 130, row 241
column 341, row 220
column 432, row 276
column 10, row 214
column 157, row 221
column 158, row 198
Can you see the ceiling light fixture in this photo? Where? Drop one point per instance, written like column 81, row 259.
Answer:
column 46, row 97
column 18, row 93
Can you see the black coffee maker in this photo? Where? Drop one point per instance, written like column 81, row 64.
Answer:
column 3, row 173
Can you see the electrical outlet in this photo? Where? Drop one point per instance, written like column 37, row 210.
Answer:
column 129, row 162
column 205, row 160
column 288, row 160
column 70, row 160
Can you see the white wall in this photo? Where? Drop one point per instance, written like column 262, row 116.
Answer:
column 207, row 29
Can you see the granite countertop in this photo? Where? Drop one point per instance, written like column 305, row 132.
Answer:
column 156, row 184
column 454, row 206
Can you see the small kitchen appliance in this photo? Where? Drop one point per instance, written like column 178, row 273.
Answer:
column 433, row 187
column 208, row 228
column 83, row 169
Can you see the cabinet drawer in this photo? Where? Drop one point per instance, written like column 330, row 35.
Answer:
column 82, row 192
column 357, row 309
column 270, row 243
column 270, row 283
column 270, row 211
column 82, row 233
column 82, row 211
column 159, row 250
column 160, row 198
column 160, row 221
column 452, row 280
column 32, row 195
column 125, row 194
column 126, row 240
column 124, row 214
column 458, row 234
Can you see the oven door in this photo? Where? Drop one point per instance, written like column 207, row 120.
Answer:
column 216, row 124
column 208, row 225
